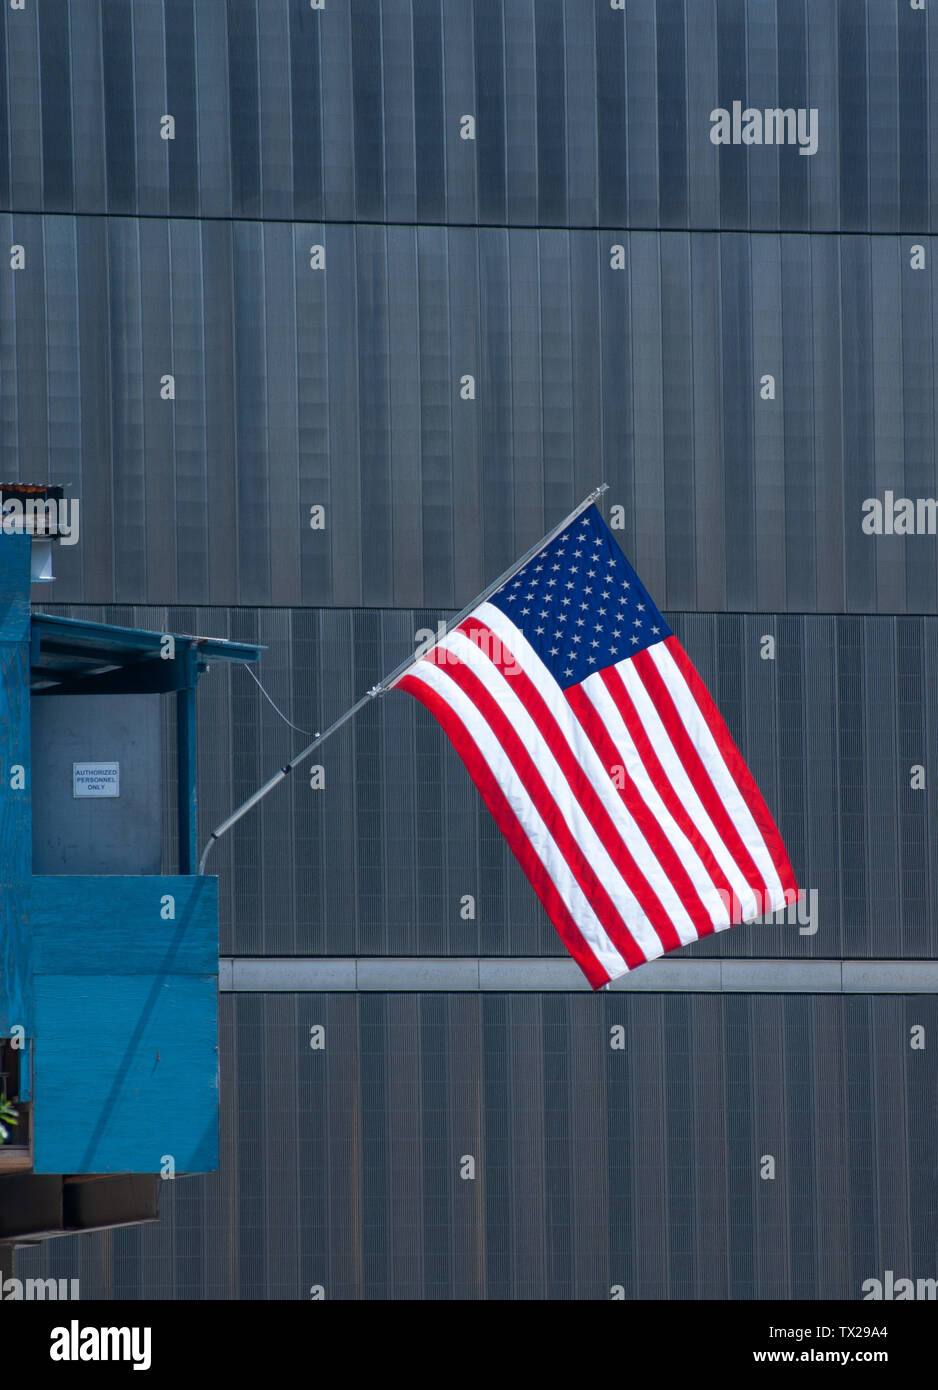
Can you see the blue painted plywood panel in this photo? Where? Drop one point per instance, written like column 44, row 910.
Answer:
column 115, row 924
column 15, row 846
column 125, row 1072
column 125, row 1019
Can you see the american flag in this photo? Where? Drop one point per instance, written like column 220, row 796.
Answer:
column 602, row 757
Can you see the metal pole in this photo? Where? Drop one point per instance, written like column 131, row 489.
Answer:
column 391, row 680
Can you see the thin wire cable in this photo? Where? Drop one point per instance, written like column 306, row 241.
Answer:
column 308, row 732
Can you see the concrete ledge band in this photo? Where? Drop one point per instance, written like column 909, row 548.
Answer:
column 398, row 974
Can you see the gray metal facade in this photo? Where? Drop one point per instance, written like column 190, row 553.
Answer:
column 339, row 384
column 377, row 861
column 596, row 1167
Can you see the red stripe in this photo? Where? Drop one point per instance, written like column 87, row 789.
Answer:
column 694, row 766
column 636, row 730
column 550, row 812
column 511, row 828
column 661, row 846
column 494, row 649
column 738, row 770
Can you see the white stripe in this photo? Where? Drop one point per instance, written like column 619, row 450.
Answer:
column 543, row 843
column 578, row 822
column 660, row 741
column 583, row 752
column 608, row 712
column 737, row 808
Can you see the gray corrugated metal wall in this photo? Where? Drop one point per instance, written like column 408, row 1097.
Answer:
column 585, row 115
column 595, row 1167
column 377, row 861
column 341, row 388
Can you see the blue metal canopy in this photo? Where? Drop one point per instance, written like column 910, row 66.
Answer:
column 69, row 655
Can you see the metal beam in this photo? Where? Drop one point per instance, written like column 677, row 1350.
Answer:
column 459, row 974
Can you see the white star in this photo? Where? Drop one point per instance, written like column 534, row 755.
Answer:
column 617, row 633
column 580, row 622
column 613, row 650
column 635, row 639
column 656, row 629
column 539, row 631
column 568, row 672
column 554, row 651
column 640, row 607
column 591, row 660
column 594, row 643
column 637, row 623
column 567, row 600
column 577, row 637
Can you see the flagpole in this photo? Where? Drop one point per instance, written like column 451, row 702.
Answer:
column 391, row 680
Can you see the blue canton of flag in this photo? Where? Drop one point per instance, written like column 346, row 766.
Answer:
column 580, row 604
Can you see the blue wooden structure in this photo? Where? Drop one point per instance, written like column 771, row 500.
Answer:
column 112, row 978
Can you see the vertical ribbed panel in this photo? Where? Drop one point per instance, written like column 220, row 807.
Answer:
column 597, row 1166
column 349, row 389
column 384, row 856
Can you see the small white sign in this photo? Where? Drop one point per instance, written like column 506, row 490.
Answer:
column 96, row 779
